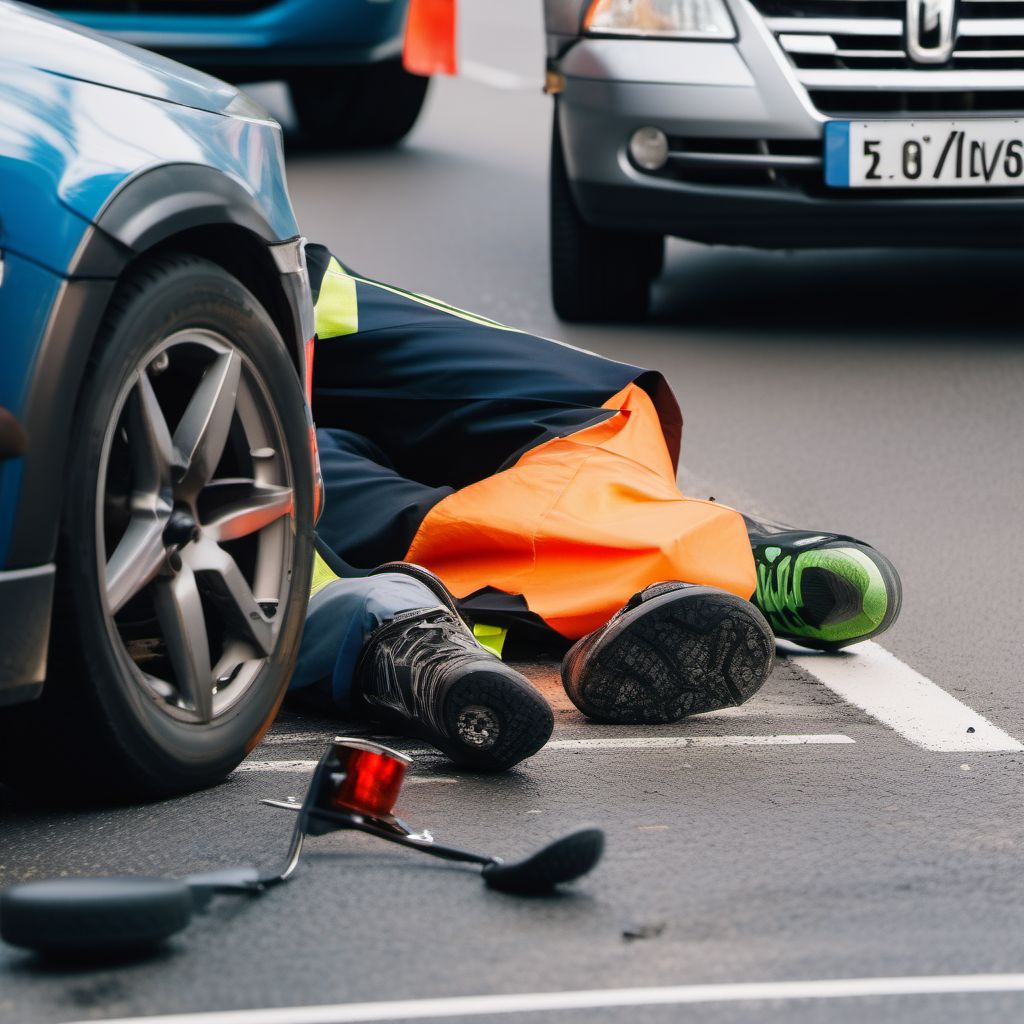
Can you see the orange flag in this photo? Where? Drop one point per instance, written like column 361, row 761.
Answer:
column 430, row 38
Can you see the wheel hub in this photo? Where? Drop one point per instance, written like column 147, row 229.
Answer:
column 181, row 529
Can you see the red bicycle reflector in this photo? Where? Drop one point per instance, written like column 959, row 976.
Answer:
column 370, row 777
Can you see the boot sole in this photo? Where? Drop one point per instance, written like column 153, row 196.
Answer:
column 680, row 654
column 486, row 696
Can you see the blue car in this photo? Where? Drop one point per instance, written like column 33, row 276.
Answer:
column 157, row 480
column 341, row 58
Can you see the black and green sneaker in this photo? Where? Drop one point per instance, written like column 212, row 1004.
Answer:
column 822, row 590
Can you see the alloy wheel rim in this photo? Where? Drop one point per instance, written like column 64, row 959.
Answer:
column 194, row 525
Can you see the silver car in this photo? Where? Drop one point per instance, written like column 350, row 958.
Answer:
column 778, row 124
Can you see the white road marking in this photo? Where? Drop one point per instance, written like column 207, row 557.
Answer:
column 767, row 706
column 300, row 767
column 280, row 738
column 498, row 78
column 670, row 742
column 297, row 765
column 872, row 679
column 540, row 1002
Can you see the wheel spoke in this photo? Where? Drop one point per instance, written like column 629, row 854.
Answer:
column 180, row 612
column 149, row 439
column 203, row 430
column 238, row 660
column 247, row 507
column 223, row 580
column 136, row 560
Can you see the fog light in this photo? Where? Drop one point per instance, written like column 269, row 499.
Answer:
column 649, row 148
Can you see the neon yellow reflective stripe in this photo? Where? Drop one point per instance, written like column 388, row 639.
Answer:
column 491, row 637
column 441, row 307
column 322, row 574
column 337, row 308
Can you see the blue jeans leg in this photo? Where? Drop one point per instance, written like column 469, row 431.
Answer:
column 340, row 618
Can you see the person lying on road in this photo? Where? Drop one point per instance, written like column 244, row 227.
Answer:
column 529, row 488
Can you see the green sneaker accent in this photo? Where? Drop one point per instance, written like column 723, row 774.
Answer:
column 855, row 592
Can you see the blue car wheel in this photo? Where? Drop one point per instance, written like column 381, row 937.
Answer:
column 362, row 105
column 185, row 550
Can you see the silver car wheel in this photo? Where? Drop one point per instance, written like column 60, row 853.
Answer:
column 194, row 525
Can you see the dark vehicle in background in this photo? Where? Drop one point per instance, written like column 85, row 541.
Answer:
column 341, row 58
column 157, row 475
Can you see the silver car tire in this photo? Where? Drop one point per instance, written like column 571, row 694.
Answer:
column 597, row 274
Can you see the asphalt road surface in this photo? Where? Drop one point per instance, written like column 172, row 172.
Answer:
column 846, row 824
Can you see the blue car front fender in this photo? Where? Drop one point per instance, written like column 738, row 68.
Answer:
column 156, row 206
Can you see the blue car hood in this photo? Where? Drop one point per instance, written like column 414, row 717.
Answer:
column 30, row 38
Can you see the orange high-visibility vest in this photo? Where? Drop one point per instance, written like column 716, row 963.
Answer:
column 581, row 523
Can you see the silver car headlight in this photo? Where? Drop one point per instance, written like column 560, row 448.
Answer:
column 660, row 19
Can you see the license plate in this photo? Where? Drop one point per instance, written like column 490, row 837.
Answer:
column 924, row 154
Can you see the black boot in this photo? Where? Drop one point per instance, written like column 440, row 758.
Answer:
column 423, row 674
column 673, row 650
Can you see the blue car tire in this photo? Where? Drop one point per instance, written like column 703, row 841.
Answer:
column 185, row 551
column 359, row 105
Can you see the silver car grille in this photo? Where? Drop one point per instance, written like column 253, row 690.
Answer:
column 853, row 56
